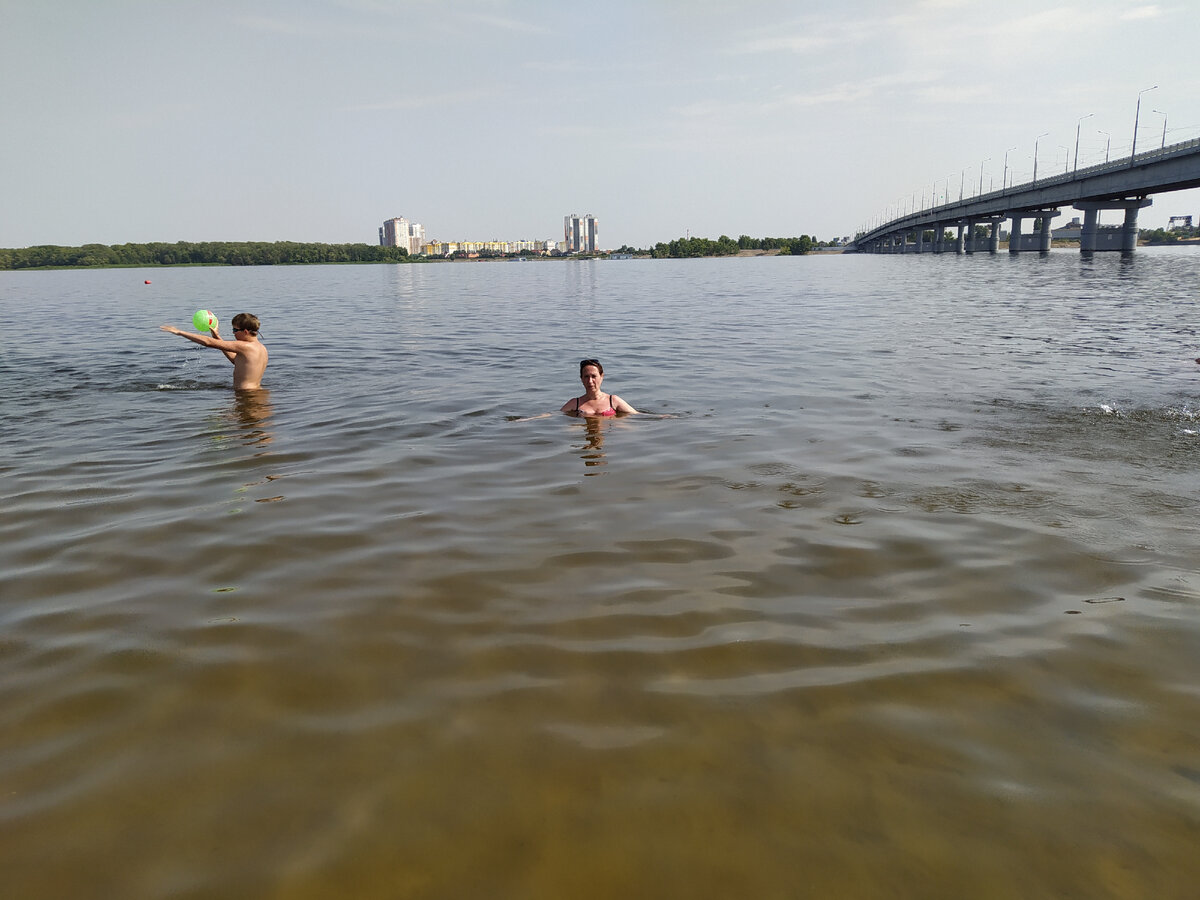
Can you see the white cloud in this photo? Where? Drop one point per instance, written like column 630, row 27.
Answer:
column 1142, row 12
column 424, row 101
column 808, row 35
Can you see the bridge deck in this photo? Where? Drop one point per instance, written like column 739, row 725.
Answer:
column 1172, row 168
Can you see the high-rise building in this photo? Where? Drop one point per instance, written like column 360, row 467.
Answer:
column 580, row 233
column 400, row 232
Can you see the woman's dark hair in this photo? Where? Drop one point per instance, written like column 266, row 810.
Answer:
column 584, row 363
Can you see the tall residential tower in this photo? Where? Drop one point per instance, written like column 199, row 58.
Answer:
column 400, row 232
column 580, row 234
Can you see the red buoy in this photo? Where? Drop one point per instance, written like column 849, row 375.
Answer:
column 147, row 282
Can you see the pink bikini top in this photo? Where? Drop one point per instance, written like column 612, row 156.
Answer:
column 611, row 411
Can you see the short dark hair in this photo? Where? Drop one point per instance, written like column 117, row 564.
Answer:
column 246, row 322
column 584, row 363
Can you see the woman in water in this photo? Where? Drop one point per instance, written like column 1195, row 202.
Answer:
column 594, row 402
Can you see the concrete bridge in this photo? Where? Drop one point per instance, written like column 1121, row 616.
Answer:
column 1125, row 184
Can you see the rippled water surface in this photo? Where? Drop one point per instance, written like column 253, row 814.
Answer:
column 894, row 593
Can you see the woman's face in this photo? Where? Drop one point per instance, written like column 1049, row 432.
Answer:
column 591, row 378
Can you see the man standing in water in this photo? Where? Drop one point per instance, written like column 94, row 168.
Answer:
column 245, row 351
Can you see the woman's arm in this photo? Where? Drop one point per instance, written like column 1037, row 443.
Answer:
column 620, row 405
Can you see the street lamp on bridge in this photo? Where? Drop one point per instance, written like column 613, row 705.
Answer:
column 1077, row 124
column 1066, row 158
column 1004, row 178
column 1164, row 115
column 1107, row 143
column 980, row 194
column 1137, row 110
column 1035, row 148
column 962, row 179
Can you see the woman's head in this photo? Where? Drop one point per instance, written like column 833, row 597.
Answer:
column 591, row 373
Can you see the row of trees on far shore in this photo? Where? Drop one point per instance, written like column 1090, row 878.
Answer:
column 686, row 247
column 1169, row 236
column 182, row 253
column 262, row 253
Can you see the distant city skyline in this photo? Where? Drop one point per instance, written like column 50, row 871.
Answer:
column 579, row 236
column 259, row 120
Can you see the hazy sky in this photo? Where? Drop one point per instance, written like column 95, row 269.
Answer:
column 315, row 120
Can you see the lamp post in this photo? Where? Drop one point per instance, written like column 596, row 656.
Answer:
column 1035, row 146
column 1164, row 115
column 1004, row 179
column 1107, row 143
column 962, row 179
column 1066, row 158
column 1136, row 112
column 1077, row 124
column 980, row 194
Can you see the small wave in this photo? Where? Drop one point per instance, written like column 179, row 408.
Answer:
column 178, row 386
column 1182, row 414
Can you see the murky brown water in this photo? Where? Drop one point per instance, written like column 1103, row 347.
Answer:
column 900, row 601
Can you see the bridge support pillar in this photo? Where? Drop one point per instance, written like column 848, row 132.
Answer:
column 959, row 247
column 1047, row 234
column 1087, row 237
column 1014, row 235
column 1129, row 234
column 1091, row 222
column 939, row 238
column 976, row 243
column 920, row 240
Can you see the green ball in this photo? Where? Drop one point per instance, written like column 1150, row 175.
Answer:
column 204, row 320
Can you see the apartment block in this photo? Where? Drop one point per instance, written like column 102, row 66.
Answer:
column 400, row 232
column 580, row 233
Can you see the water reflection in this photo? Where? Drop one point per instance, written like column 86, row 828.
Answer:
column 592, row 451
column 252, row 411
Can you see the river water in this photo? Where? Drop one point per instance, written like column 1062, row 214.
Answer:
column 893, row 593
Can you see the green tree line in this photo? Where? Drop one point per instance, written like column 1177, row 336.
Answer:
column 688, row 247
column 1163, row 236
column 182, row 253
